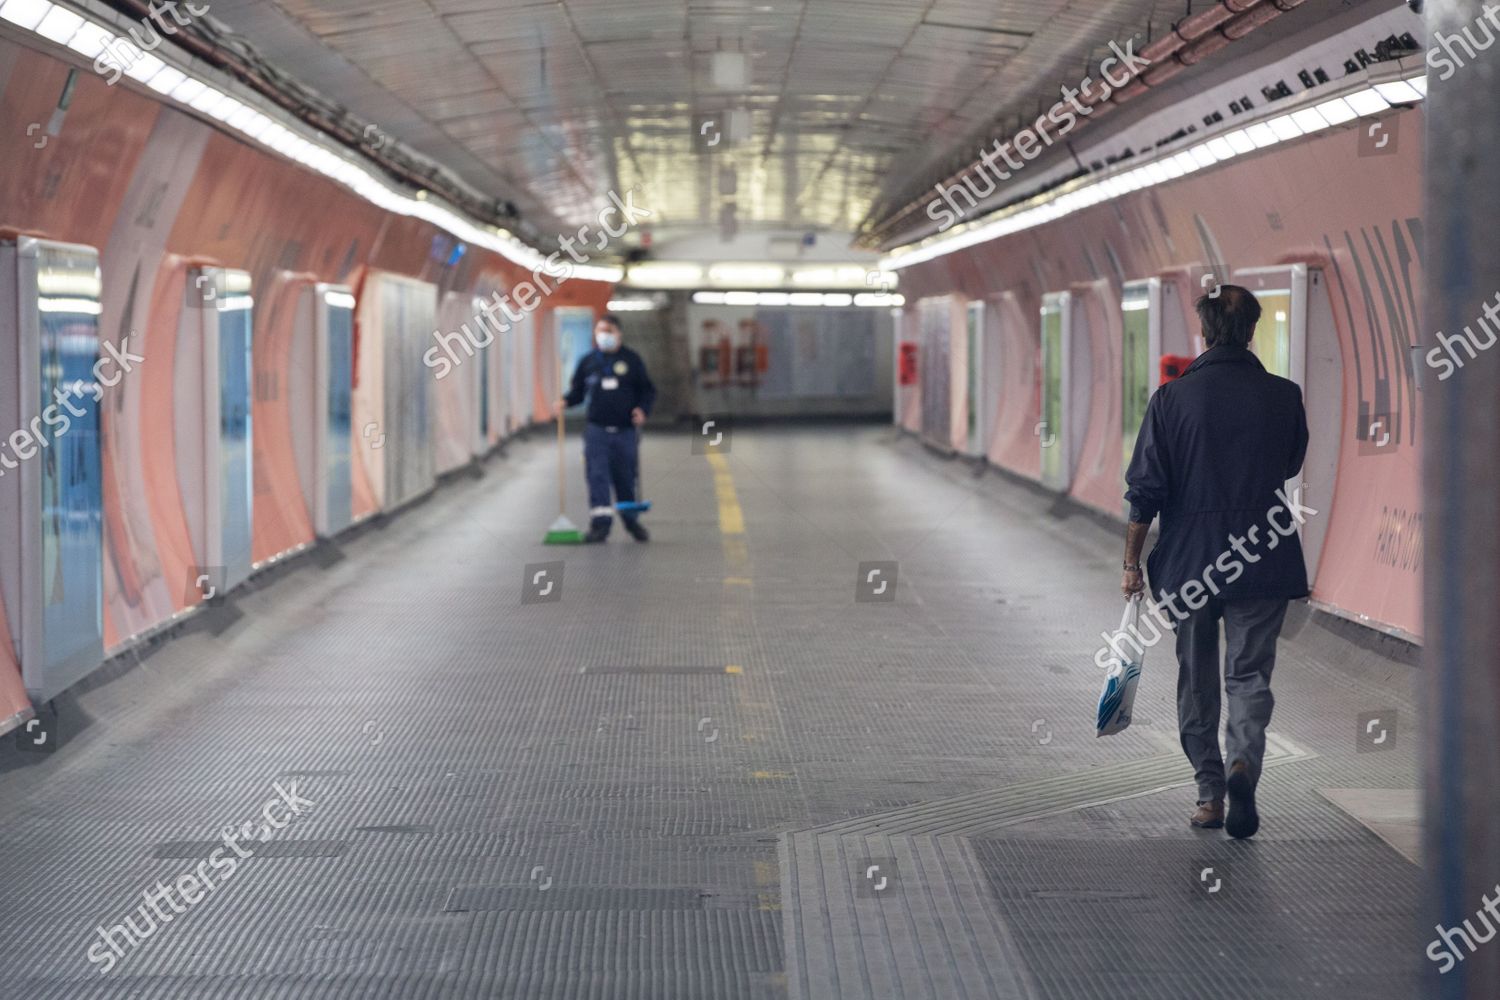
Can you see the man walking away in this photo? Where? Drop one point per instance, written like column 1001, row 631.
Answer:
column 1216, row 447
column 620, row 396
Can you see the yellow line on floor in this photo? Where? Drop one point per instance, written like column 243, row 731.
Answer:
column 768, row 884
column 731, row 517
column 756, row 715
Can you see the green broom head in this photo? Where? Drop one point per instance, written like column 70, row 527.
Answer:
column 563, row 532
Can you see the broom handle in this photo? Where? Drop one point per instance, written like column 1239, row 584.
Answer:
column 562, row 471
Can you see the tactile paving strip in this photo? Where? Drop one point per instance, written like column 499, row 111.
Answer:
column 840, row 934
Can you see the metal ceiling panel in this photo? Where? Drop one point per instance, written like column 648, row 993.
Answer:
column 853, row 104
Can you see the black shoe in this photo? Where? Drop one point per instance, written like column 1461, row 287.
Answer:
column 1242, row 820
column 638, row 531
column 596, row 535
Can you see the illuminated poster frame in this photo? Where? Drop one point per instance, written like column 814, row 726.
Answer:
column 51, row 571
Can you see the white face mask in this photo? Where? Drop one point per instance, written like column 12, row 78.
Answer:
column 609, row 342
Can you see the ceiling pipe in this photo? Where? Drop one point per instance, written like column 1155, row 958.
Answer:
column 1189, row 42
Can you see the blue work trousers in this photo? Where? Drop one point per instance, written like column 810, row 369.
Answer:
column 611, row 460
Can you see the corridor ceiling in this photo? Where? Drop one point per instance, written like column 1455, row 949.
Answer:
column 846, row 107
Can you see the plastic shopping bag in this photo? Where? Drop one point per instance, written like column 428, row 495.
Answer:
column 1117, row 700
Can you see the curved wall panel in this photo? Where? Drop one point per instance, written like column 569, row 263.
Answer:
column 284, row 352
column 1013, row 439
column 1097, row 480
column 456, row 399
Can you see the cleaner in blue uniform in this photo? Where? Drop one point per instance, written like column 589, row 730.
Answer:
column 620, row 396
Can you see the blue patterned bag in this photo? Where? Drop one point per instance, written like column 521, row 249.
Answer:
column 1117, row 700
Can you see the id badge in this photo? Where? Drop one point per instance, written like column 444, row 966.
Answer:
column 609, row 384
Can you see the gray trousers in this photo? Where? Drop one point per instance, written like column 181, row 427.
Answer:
column 1250, row 631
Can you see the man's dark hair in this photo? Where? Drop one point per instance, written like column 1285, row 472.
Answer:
column 613, row 321
column 1228, row 317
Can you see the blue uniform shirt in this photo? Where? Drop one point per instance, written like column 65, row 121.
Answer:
column 615, row 384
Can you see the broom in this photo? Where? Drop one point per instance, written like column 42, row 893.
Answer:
column 563, row 531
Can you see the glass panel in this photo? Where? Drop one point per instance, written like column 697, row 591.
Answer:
column 483, row 360
column 407, row 310
column 575, row 340
column 340, row 416
column 1050, row 432
column 1272, row 342
column 934, row 370
column 72, row 545
column 507, row 387
column 1136, row 366
column 235, row 470
column 976, row 326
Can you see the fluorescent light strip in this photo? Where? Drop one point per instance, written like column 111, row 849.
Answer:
column 1367, row 102
column 811, row 300
column 1337, row 111
column 1309, row 120
column 88, row 307
column 1284, row 127
column 188, row 89
column 88, row 39
column 145, row 69
column 1240, row 141
column 25, row 13
column 166, row 80
column 59, row 25
column 1262, row 135
column 1399, row 92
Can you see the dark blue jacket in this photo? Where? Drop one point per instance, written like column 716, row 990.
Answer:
column 1214, row 453
column 615, row 384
